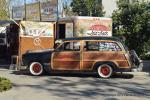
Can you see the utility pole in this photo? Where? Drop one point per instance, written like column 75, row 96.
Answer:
column 40, row 10
column 25, row 10
column 57, row 10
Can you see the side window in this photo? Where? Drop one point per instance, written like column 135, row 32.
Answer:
column 91, row 46
column 70, row 46
column 101, row 46
column 109, row 46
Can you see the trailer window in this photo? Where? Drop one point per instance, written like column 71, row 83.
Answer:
column 65, row 30
column 62, row 31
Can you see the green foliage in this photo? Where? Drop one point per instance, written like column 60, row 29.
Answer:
column 87, row 7
column 146, row 50
column 5, row 84
column 132, row 20
column 67, row 10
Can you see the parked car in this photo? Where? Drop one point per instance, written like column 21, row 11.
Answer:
column 104, row 55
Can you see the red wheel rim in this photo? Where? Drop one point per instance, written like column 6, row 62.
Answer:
column 36, row 68
column 105, row 70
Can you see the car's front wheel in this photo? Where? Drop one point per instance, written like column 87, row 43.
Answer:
column 36, row 68
column 105, row 71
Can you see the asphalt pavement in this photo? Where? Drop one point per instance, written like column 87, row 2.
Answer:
column 63, row 86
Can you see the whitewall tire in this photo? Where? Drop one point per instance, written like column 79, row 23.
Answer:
column 105, row 71
column 36, row 68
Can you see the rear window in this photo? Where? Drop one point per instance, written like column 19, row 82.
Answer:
column 101, row 46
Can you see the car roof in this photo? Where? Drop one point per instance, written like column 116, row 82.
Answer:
column 93, row 38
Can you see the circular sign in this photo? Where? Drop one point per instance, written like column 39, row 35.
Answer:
column 37, row 41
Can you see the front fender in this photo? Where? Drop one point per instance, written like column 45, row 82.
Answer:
column 42, row 57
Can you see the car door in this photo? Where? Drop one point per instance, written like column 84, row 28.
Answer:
column 67, row 56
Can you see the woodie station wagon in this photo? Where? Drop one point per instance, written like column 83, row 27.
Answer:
column 104, row 55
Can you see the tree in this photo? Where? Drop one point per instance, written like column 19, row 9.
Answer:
column 4, row 10
column 132, row 20
column 87, row 7
column 146, row 50
column 67, row 10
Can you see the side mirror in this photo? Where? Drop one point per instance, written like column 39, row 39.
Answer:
column 56, row 45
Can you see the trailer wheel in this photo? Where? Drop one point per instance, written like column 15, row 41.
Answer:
column 36, row 68
column 105, row 71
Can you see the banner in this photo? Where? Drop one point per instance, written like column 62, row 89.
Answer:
column 37, row 29
column 33, row 12
column 38, row 10
column 49, row 10
column 18, row 13
column 93, row 26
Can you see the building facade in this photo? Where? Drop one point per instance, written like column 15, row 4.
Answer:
column 111, row 5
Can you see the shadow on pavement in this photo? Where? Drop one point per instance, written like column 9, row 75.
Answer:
column 71, row 87
column 74, row 86
column 75, row 74
column 4, row 66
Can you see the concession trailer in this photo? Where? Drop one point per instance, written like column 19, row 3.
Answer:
column 25, row 36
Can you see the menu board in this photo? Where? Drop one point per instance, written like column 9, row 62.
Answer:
column 33, row 12
column 18, row 13
column 48, row 10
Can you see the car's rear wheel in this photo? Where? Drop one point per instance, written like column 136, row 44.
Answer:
column 105, row 71
column 36, row 68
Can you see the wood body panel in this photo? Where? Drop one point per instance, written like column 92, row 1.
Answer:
column 66, row 61
column 90, row 58
column 100, row 55
column 86, row 60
